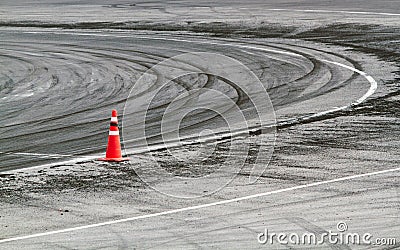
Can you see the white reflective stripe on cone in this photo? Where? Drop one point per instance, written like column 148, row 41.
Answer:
column 114, row 119
column 113, row 133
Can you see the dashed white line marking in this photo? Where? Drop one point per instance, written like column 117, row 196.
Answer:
column 218, row 203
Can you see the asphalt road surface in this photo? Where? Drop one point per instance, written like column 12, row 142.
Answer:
column 302, row 98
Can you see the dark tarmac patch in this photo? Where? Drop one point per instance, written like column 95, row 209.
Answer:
column 216, row 29
column 194, row 166
column 381, row 106
column 78, row 178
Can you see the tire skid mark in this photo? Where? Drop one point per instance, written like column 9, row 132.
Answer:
column 86, row 54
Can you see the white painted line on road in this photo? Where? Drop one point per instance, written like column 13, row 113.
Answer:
column 373, row 84
column 37, row 154
column 372, row 89
column 340, row 12
column 347, row 67
column 72, row 161
column 218, row 203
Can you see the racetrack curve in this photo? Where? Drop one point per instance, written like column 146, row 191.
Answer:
column 58, row 87
column 331, row 72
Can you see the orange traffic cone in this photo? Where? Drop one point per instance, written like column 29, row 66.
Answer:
column 113, row 152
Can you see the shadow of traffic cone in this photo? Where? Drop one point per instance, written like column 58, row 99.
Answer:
column 113, row 152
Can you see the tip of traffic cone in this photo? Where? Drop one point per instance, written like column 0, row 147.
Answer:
column 114, row 113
